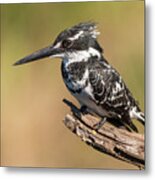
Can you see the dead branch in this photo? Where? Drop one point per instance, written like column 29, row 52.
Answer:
column 109, row 139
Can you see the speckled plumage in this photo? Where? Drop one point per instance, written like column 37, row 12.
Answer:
column 107, row 89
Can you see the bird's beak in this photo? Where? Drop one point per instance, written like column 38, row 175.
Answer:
column 40, row 54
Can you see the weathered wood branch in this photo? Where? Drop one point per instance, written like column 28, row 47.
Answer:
column 109, row 139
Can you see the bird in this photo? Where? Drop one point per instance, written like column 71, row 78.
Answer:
column 90, row 78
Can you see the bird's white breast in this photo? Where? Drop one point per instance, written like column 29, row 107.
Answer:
column 85, row 97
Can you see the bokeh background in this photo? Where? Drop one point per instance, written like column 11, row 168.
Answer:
column 32, row 110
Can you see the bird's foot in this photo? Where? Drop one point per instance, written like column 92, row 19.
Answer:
column 98, row 125
column 83, row 110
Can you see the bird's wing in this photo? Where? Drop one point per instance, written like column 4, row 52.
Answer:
column 108, row 88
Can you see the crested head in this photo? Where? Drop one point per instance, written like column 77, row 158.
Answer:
column 78, row 31
column 79, row 37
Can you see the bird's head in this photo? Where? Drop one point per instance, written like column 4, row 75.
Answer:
column 77, row 41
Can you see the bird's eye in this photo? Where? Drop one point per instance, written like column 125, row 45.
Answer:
column 66, row 43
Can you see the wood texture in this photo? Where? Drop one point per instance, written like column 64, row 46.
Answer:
column 119, row 143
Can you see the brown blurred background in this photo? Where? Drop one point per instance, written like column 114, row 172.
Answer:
column 31, row 95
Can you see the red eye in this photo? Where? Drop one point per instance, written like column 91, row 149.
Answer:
column 66, row 43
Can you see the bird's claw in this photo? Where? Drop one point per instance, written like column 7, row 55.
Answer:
column 98, row 125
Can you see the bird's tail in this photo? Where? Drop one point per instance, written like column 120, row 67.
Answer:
column 136, row 113
column 141, row 118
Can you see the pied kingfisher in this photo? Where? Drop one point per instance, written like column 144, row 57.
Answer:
column 97, row 86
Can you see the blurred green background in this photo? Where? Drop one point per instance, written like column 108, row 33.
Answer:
column 31, row 95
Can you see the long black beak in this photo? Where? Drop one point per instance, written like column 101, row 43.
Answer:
column 42, row 53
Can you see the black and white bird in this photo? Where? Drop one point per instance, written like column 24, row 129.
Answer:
column 89, row 77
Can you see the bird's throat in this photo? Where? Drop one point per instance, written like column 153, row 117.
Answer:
column 80, row 56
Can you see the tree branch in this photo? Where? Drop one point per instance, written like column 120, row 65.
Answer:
column 119, row 143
